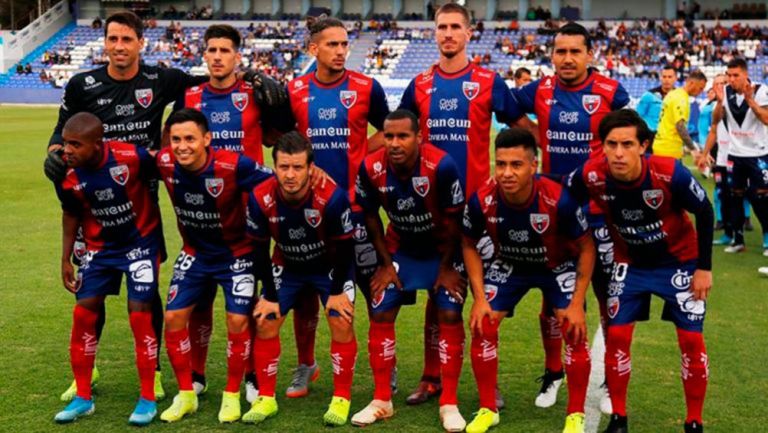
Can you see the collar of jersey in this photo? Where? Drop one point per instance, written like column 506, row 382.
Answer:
column 634, row 183
column 208, row 162
column 104, row 157
column 331, row 84
column 527, row 203
column 590, row 78
column 444, row 74
column 298, row 205
column 225, row 90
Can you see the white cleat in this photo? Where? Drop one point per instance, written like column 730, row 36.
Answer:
column 735, row 248
column 606, row 407
column 451, row 418
column 763, row 270
column 376, row 410
column 550, row 384
column 251, row 392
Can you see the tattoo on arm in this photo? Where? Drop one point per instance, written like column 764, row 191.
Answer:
column 682, row 130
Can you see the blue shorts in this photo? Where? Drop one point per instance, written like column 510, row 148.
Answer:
column 748, row 172
column 630, row 290
column 504, row 288
column 601, row 274
column 195, row 279
column 365, row 253
column 415, row 274
column 101, row 272
column 291, row 285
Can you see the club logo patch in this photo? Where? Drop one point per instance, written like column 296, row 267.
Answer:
column 172, row 292
column 119, row 174
column 144, row 97
column 421, row 185
column 653, row 198
column 613, row 306
column 490, row 292
column 348, row 98
column 313, row 217
column 214, row 186
column 539, row 222
column 591, row 103
column 471, row 89
column 240, row 100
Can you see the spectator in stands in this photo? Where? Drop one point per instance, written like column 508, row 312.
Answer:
column 19, row 69
column 43, row 76
column 28, row 69
column 522, row 77
column 96, row 24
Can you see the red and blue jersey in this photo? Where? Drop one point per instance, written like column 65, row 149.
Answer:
column 418, row 205
column 113, row 200
column 234, row 118
column 647, row 218
column 456, row 112
column 210, row 203
column 335, row 117
column 303, row 231
column 569, row 118
column 534, row 237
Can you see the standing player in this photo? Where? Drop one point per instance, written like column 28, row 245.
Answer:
column 332, row 107
column 312, row 228
column 419, row 188
column 649, row 106
column 658, row 251
column 744, row 109
column 455, row 101
column 537, row 231
column 106, row 191
column 673, row 135
column 206, row 188
column 569, row 107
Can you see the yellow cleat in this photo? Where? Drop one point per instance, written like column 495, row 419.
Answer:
column 337, row 412
column 71, row 392
column 230, row 407
column 159, row 391
column 574, row 423
column 262, row 408
column 484, row 420
column 184, row 403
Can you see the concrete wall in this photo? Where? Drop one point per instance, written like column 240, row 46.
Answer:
column 16, row 47
column 232, row 6
column 615, row 9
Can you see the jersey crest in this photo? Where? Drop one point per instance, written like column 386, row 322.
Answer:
column 214, row 186
column 653, row 198
column 591, row 103
column 470, row 89
column 119, row 174
column 144, row 97
column 240, row 100
column 421, row 185
column 348, row 98
column 313, row 217
column 539, row 222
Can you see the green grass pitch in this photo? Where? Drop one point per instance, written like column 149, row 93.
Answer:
column 35, row 319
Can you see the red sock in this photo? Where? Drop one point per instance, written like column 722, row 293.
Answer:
column 305, row 328
column 266, row 356
column 177, row 343
column 82, row 348
column 381, row 354
column 451, row 358
column 485, row 363
column 249, row 366
column 694, row 371
column 431, row 344
column 146, row 351
column 618, row 365
column 577, row 368
column 343, row 358
column 552, row 339
column 238, row 354
column 200, row 330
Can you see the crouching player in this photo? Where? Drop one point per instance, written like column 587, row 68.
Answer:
column 658, row 251
column 107, row 190
column 312, row 228
column 207, row 188
column 419, row 188
column 541, row 240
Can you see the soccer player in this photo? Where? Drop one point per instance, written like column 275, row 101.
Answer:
column 569, row 107
column 332, row 107
column 744, row 108
column 455, row 101
column 107, row 192
column 645, row 199
column 673, row 134
column 419, row 188
column 541, row 239
column 207, row 187
column 649, row 105
column 312, row 228
column 522, row 77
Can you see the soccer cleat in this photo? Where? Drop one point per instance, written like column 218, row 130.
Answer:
column 765, row 244
column 144, row 413
column 337, row 412
column 76, row 408
column 763, row 270
column 499, row 399
column 425, row 391
column 617, row 424
column 723, row 240
column 262, row 408
column 550, row 384
column 159, row 391
column 694, row 427
column 184, row 403
column 606, row 407
column 230, row 407
column 302, row 376
column 71, row 392
column 735, row 248
column 574, row 423
column 451, row 418
column 376, row 410
column 393, row 380
column 199, row 384
column 484, row 419
column 251, row 388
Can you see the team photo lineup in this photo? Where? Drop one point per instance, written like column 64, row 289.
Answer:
column 309, row 195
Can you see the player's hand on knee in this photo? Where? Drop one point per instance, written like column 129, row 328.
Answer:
column 71, row 282
column 701, row 284
column 451, row 280
column 480, row 309
column 264, row 309
column 382, row 278
column 267, row 92
column 575, row 319
column 55, row 167
column 342, row 305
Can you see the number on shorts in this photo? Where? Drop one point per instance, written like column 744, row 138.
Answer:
column 184, row 262
column 619, row 271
